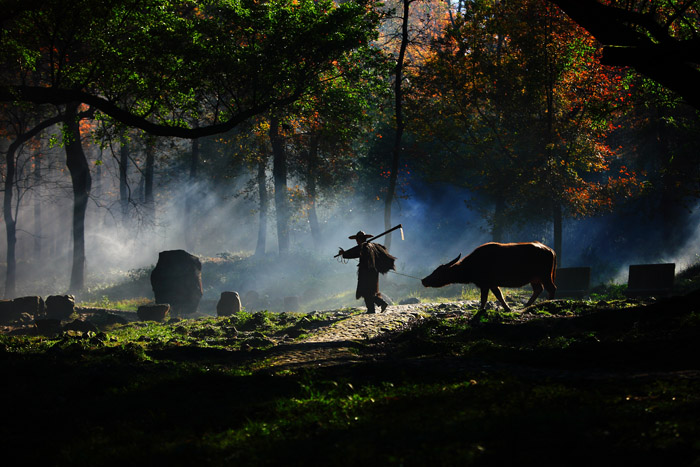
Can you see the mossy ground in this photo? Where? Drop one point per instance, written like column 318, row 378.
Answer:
column 564, row 383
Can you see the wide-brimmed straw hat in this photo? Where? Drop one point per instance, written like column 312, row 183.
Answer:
column 361, row 236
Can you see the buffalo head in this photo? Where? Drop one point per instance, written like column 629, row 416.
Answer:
column 441, row 276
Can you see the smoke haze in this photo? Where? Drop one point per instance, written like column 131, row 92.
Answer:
column 437, row 223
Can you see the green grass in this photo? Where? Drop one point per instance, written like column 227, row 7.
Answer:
column 128, row 304
column 574, row 383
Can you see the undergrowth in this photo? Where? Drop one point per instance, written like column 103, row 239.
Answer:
column 564, row 382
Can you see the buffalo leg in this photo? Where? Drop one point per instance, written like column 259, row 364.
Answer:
column 484, row 298
column 482, row 309
column 536, row 291
column 497, row 292
column 551, row 288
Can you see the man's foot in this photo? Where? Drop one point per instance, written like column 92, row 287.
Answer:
column 370, row 311
column 384, row 307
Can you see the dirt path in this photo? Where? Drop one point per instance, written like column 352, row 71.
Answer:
column 336, row 343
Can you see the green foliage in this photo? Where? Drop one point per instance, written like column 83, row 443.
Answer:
column 609, row 291
column 218, row 62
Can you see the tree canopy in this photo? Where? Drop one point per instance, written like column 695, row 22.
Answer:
column 660, row 39
column 159, row 65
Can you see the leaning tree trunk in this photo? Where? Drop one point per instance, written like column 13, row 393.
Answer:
column 10, row 216
column 398, row 111
column 263, row 199
column 279, row 173
column 80, row 176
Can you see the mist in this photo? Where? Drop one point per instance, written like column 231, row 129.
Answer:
column 438, row 222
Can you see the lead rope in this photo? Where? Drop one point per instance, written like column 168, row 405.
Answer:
column 345, row 261
column 406, row 275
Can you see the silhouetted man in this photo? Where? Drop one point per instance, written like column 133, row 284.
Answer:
column 374, row 259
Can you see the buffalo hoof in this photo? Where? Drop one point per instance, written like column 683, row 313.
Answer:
column 476, row 319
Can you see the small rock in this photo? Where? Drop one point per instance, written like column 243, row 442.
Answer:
column 156, row 313
column 60, row 306
column 102, row 319
column 48, row 326
column 82, row 326
column 409, row 301
column 257, row 342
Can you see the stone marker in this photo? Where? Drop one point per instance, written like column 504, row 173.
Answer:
column 229, row 304
column 60, row 306
column 177, row 281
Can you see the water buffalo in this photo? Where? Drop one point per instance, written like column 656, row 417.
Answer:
column 494, row 265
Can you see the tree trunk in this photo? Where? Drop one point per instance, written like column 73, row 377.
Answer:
column 557, row 221
column 262, row 195
column 189, row 201
column 10, row 222
column 498, row 219
column 148, row 179
column 80, row 176
column 124, row 191
column 10, row 216
column 674, row 215
column 38, row 227
column 279, row 173
column 398, row 111
column 312, row 167
column 549, row 144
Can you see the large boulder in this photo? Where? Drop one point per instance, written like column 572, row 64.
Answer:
column 229, row 304
column 60, row 306
column 177, row 280
column 15, row 310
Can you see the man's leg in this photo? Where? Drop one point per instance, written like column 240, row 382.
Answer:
column 370, row 304
column 380, row 301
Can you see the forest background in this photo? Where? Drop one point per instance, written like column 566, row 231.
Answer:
column 259, row 131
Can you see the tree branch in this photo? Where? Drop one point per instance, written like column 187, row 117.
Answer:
column 57, row 96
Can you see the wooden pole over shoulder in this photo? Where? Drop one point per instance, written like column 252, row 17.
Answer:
column 400, row 226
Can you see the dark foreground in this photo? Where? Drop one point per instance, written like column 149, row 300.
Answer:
column 567, row 383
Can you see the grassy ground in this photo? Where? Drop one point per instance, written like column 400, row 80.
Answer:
column 566, row 383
